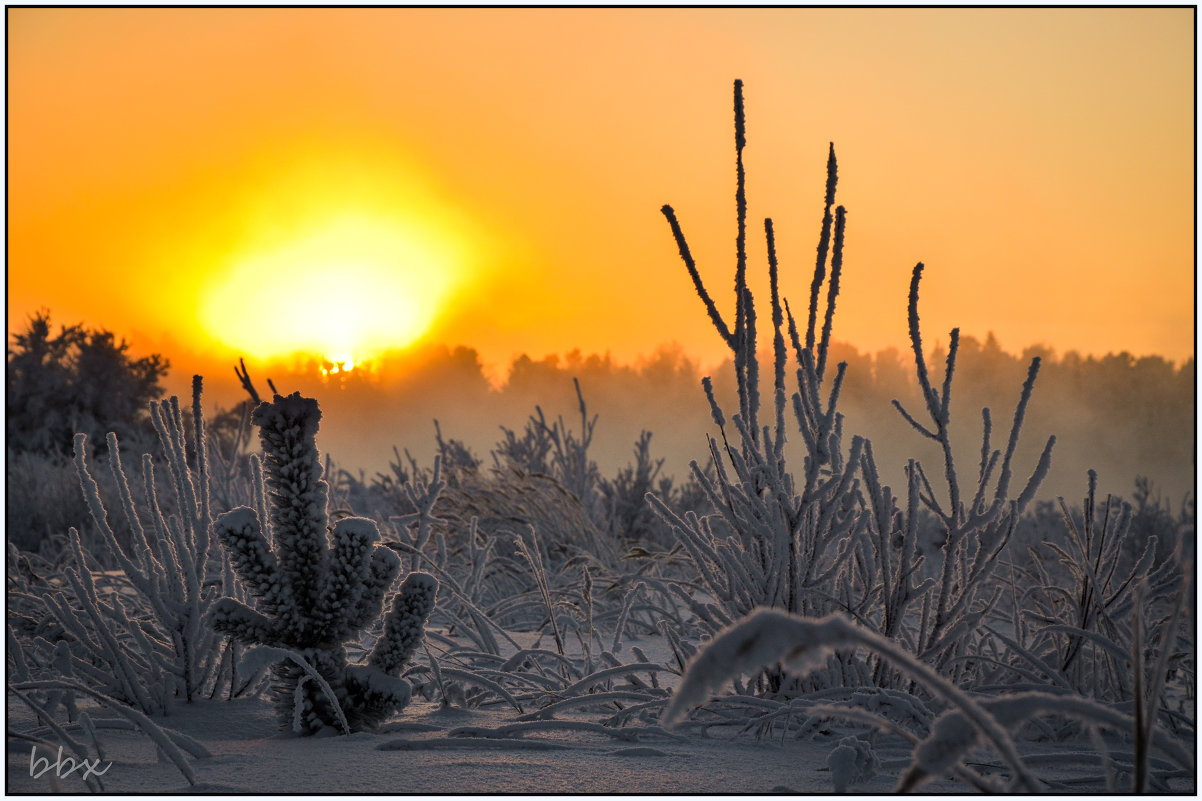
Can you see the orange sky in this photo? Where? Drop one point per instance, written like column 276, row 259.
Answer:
column 233, row 180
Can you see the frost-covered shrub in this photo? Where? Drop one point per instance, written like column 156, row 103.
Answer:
column 1081, row 601
column 553, row 449
column 1152, row 516
column 829, row 536
column 133, row 633
column 631, row 520
column 987, row 648
column 774, row 539
column 314, row 588
column 851, row 762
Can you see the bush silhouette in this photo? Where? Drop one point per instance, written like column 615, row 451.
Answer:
column 79, row 380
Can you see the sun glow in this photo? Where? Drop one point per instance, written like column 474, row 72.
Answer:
column 343, row 290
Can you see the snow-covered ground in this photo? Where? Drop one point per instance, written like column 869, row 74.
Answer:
column 418, row 754
column 431, row 748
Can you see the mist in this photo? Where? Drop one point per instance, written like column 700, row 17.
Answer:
column 1119, row 415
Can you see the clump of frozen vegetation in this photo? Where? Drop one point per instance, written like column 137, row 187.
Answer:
column 118, row 621
column 539, row 541
column 852, row 762
column 821, row 570
column 315, row 587
column 833, row 537
column 134, row 634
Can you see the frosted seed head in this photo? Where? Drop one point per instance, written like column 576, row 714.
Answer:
column 764, row 637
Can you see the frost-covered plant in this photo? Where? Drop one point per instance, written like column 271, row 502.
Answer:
column 774, row 540
column 134, row 634
column 554, row 449
column 852, row 761
column 769, row 636
column 630, row 517
column 1080, row 632
column 831, row 536
column 974, row 531
column 315, row 588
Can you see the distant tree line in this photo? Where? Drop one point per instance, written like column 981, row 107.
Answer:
column 1119, row 414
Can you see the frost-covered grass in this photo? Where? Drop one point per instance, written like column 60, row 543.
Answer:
column 783, row 602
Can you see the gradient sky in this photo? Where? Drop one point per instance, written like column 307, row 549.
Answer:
column 231, row 181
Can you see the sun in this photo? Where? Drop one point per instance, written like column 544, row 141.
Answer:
column 343, row 290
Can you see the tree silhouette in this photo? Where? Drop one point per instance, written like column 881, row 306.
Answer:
column 78, row 380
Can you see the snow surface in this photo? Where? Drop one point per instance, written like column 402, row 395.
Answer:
column 250, row 756
column 430, row 749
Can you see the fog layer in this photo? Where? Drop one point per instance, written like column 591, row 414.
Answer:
column 1120, row 415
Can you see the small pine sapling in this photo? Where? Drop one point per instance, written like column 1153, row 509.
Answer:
column 316, row 587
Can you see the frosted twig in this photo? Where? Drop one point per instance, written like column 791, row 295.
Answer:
column 691, row 266
column 919, row 427
column 920, row 364
column 148, row 727
column 743, row 336
column 832, row 178
column 832, row 290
